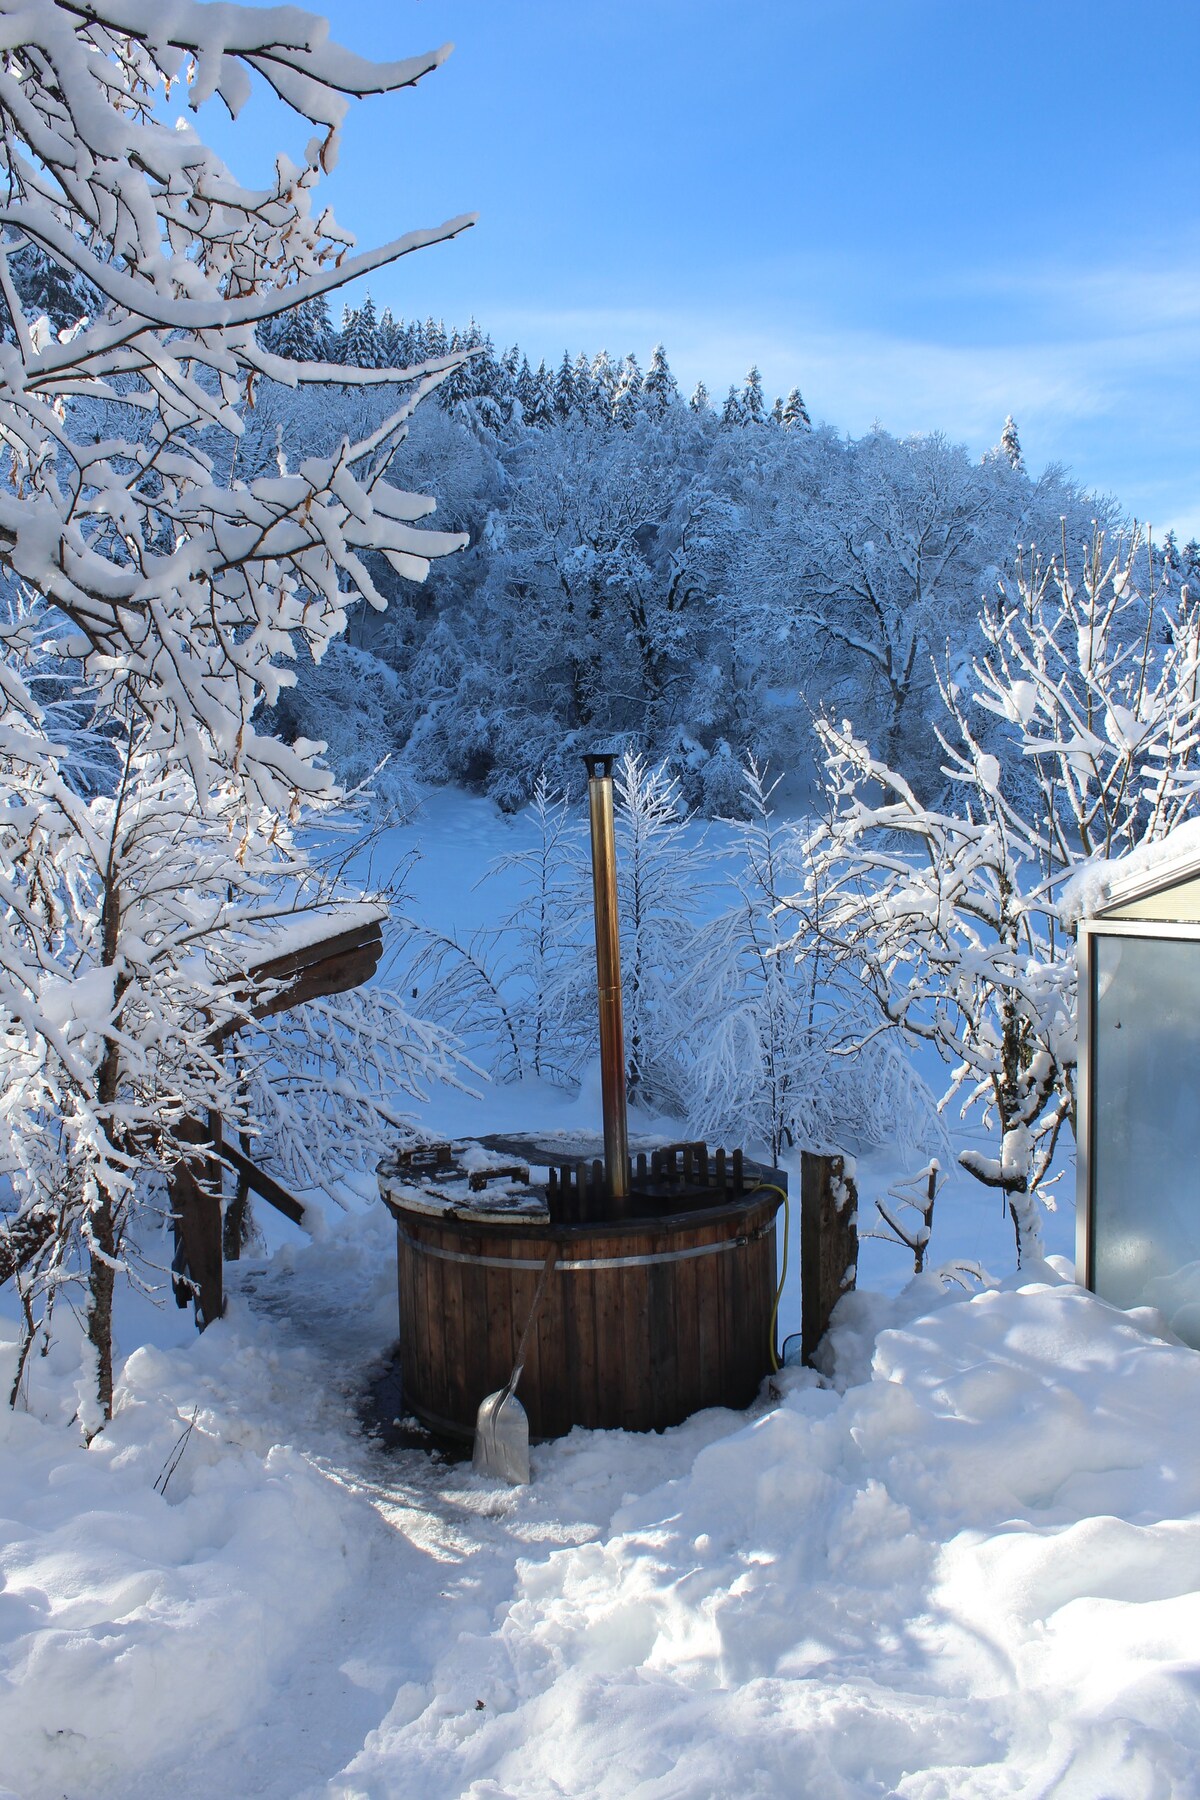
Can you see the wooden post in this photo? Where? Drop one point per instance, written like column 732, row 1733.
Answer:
column 195, row 1190
column 828, row 1244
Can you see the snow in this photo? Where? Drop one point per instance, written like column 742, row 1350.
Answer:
column 964, row 1566
column 1103, row 883
column 289, row 934
column 957, row 1563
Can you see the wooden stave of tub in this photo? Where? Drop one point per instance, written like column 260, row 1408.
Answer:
column 635, row 1345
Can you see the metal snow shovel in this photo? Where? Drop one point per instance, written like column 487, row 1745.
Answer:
column 501, row 1424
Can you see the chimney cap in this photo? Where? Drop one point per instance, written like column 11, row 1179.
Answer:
column 599, row 764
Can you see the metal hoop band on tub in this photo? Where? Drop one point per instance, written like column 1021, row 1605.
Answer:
column 585, row 1264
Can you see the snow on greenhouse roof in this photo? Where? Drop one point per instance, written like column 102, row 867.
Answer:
column 1155, row 881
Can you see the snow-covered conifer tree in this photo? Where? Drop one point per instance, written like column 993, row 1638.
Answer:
column 391, row 348
column 754, row 406
column 585, row 398
column 605, row 375
column 1010, row 446
column 660, row 390
column 565, row 399
column 302, row 333
column 360, row 337
column 699, row 402
column 627, row 395
column 794, row 416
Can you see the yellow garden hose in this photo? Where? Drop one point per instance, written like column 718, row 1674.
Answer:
column 771, row 1188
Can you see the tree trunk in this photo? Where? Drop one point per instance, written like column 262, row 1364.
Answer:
column 101, row 1280
column 104, row 1221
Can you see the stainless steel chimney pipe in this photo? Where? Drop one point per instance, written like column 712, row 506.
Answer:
column 608, row 974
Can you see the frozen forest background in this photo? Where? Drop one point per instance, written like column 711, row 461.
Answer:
column 696, row 577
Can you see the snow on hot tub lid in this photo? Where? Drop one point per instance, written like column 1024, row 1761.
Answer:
column 463, row 1179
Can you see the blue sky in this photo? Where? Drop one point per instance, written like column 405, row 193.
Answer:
column 923, row 212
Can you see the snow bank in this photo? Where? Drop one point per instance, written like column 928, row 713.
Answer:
column 968, row 1569
column 973, row 1576
column 131, row 1619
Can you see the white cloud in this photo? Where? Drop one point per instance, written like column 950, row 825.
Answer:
column 1101, row 368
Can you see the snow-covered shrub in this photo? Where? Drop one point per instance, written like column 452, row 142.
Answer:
column 780, row 1054
column 959, row 924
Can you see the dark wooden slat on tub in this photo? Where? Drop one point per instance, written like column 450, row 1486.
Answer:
column 498, row 1332
column 454, row 1315
column 708, row 1302
column 543, row 1375
column 664, row 1341
column 419, row 1325
column 435, row 1319
column 626, row 1378
column 687, row 1314
column 725, row 1277
column 580, row 1345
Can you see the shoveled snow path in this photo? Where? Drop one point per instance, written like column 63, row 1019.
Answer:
column 440, row 1545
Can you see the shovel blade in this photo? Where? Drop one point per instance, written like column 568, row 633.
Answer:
column 502, row 1439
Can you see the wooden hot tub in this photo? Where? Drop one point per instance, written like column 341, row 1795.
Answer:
column 644, row 1320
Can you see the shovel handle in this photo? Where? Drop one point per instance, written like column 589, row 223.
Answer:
column 531, row 1321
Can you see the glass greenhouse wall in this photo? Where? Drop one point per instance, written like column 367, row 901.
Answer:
column 1139, row 1138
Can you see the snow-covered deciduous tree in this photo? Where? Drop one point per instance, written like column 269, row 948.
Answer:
column 660, row 880
column 548, row 934
column 148, row 860
column 960, row 924
column 171, row 572
column 779, row 1052
column 753, row 1052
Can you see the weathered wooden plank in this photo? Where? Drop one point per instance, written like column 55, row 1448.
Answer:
column 828, row 1244
column 195, row 1196
column 264, row 1185
column 335, row 965
column 297, row 962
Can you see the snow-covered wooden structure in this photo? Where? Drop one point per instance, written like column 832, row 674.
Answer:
column 1138, row 1213
column 316, row 953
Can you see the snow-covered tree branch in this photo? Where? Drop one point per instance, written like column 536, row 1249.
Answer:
column 194, row 588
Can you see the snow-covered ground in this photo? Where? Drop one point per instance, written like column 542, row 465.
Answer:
column 965, row 1565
